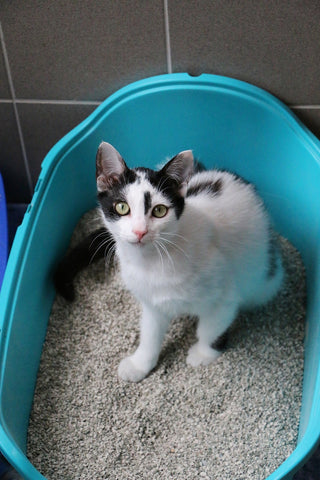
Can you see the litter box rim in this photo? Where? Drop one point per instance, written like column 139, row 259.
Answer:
column 142, row 87
column 3, row 231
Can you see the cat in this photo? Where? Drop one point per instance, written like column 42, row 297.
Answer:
column 188, row 241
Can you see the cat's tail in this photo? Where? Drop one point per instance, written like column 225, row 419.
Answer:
column 96, row 245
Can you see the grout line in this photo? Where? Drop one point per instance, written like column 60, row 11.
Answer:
column 96, row 103
column 57, row 102
column 16, row 113
column 301, row 107
column 27, row 101
column 167, row 35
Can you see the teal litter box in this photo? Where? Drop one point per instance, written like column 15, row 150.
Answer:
column 3, row 232
column 228, row 124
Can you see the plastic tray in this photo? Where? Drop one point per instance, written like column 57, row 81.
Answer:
column 3, row 231
column 227, row 123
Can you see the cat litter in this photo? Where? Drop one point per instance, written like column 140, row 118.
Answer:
column 237, row 418
column 146, row 427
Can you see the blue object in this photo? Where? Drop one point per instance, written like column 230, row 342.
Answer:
column 3, row 232
column 228, row 124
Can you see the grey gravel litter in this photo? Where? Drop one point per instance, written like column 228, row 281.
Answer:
column 235, row 419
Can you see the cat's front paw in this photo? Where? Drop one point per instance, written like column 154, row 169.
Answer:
column 129, row 372
column 201, row 355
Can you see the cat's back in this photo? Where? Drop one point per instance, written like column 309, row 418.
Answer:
column 241, row 230
column 225, row 196
column 219, row 184
column 231, row 206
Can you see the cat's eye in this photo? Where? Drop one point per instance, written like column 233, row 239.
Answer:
column 122, row 208
column 159, row 211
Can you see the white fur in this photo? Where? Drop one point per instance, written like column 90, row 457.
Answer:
column 210, row 262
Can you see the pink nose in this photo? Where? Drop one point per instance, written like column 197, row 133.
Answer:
column 140, row 233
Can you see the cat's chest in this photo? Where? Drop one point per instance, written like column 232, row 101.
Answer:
column 172, row 285
column 162, row 284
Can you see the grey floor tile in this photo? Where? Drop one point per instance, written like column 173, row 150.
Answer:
column 4, row 87
column 82, row 50
column 11, row 161
column 44, row 125
column 272, row 44
column 310, row 117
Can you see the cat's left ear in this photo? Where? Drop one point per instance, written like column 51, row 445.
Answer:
column 180, row 168
column 109, row 166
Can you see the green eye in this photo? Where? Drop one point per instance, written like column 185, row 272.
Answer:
column 159, row 211
column 122, row 208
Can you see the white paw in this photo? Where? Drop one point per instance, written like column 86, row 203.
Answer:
column 201, row 355
column 128, row 371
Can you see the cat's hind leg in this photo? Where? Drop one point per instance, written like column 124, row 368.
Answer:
column 212, row 325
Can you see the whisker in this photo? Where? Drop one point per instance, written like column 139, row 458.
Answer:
column 97, row 236
column 160, row 255
column 165, row 250
column 172, row 234
column 174, row 245
column 105, row 243
column 109, row 254
column 162, row 183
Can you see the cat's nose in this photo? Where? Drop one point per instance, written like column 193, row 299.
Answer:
column 140, row 233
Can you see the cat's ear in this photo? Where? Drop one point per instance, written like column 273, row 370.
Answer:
column 109, row 166
column 180, row 168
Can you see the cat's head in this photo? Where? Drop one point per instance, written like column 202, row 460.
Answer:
column 141, row 205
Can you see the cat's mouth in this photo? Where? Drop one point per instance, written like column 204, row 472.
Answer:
column 138, row 242
column 140, row 239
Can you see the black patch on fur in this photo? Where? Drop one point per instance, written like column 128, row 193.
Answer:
column 212, row 188
column 107, row 201
column 170, row 189
column 147, row 202
column 167, row 186
column 112, row 195
column 89, row 250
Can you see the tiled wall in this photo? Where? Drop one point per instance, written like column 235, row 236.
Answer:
column 61, row 58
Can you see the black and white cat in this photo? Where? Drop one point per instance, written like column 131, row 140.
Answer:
column 196, row 243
